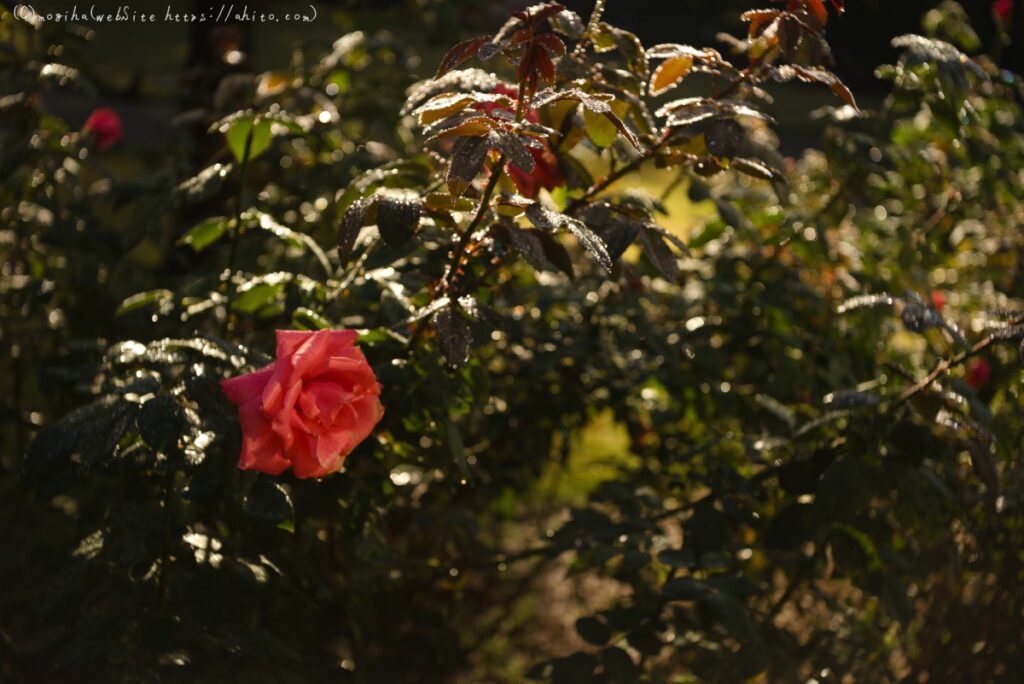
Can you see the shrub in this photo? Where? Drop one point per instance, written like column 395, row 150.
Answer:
column 821, row 469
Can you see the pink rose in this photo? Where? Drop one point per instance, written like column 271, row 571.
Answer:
column 310, row 408
column 105, row 125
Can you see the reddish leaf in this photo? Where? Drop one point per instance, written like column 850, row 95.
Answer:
column 552, row 43
column 460, row 53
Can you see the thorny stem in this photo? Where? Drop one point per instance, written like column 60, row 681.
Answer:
column 485, row 201
column 233, row 254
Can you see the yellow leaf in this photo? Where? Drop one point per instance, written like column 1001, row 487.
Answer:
column 441, row 106
column 669, row 73
column 600, row 129
column 470, row 128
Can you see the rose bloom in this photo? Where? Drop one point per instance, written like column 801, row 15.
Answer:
column 310, row 408
column 546, row 173
column 1003, row 9
column 105, row 125
column 938, row 300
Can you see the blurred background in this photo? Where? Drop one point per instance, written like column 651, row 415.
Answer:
column 148, row 72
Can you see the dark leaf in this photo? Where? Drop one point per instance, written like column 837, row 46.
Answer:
column 514, row 148
column 270, row 502
column 453, row 334
column 658, row 253
column 618, row 665
column 162, row 422
column 542, row 217
column 352, row 223
column 460, row 53
column 468, row 155
column 593, row 631
column 683, row 589
column 398, row 216
column 729, row 612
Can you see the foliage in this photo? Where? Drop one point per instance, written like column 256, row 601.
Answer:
column 812, row 484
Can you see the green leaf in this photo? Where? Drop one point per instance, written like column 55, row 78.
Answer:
column 143, row 300
column 256, row 297
column 238, row 137
column 205, row 233
column 600, row 130
column 307, row 319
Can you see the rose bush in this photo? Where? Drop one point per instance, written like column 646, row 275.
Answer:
column 689, row 416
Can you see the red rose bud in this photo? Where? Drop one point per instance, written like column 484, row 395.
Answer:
column 1003, row 9
column 310, row 408
column 979, row 373
column 105, row 126
column 938, row 300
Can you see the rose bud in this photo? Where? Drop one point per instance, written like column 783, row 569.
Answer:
column 309, row 408
column 105, row 126
column 938, row 300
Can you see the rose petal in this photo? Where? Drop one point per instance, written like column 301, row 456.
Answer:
column 261, row 449
column 244, row 388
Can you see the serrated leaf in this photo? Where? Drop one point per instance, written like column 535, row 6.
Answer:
column 460, row 53
column 453, row 334
column 542, row 217
column 600, row 130
column 658, row 253
column 468, row 155
column 515, row 149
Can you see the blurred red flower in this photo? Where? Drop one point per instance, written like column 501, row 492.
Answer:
column 938, row 300
column 546, row 174
column 1003, row 9
column 105, row 125
column 979, row 373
